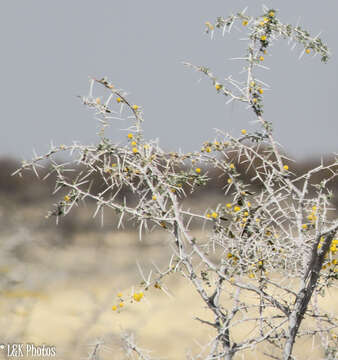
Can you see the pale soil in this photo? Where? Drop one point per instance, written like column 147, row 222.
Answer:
column 62, row 294
column 78, row 284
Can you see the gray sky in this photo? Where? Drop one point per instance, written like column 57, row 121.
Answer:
column 49, row 48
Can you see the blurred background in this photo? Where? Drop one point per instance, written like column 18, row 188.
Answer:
column 58, row 282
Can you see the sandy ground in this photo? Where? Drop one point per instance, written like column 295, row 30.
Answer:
column 60, row 292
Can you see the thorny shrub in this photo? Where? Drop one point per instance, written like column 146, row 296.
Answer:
column 277, row 244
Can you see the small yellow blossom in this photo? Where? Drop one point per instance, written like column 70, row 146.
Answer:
column 208, row 216
column 66, row 198
column 154, row 197
column 214, row 215
column 261, row 23
column 243, row 131
column 114, row 307
column 228, row 205
column 130, row 136
column 260, row 90
column 285, row 167
column 314, row 208
column 229, row 256
column 209, row 25
column 237, row 208
column 248, row 204
column 232, row 166
column 198, row 170
column 229, row 181
column 133, row 143
column 263, row 37
column 135, row 150
column 251, row 275
column 246, row 213
column 218, row 87
column 245, row 22
column 138, row 296
column 308, row 51
column 121, row 304
column 271, row 13
column 261, row 58
column 119, row 294
column 254, row 100
column 304, row 226
column 135, row 107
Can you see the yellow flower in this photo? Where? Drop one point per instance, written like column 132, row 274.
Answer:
column 208, row 216
column 232, row 166
column 243, row 131
column 209, row 25
column 251, row 275
column 66, row 198
column 214, row 215
column 308, row 51
column 229, row 181
column 218, row 86
column 271, row 13
column 133, row 143
column 261, row 23
column 135, row 150
column 266, row 19
column 237, row 208
column 248, row 204
column 114, row 307
column 138, row 296
column 119, row 294
column 198, row 170
column 314, row 208
column 154, row 197
column 285, row 167
column 130, row 136
column 261, row 58
column 260, row 91
column 254, row 100
column 263, row 37
column 121, row 304
column 135, row 107
column 229, row 256
column 228, row 205
column 208, row 149
column 118, row 99
column 245, row 22
column 246, row 213
column 304, row 226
